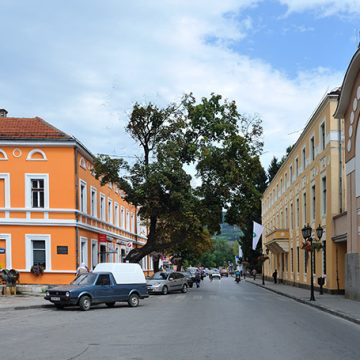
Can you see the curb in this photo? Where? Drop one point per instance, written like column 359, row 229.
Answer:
column 320, row 307
column 26, row 307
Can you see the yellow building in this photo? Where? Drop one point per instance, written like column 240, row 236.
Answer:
column 308, row 189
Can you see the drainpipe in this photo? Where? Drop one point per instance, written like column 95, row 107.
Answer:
column 76, row 207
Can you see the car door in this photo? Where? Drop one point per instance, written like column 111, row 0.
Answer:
column 178, row 281
column 103, row 289
column 172, row 282
column 181, row 280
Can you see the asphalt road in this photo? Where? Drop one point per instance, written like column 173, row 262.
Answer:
column 221, row 320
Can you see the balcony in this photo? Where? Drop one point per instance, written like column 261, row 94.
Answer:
column 278, row 241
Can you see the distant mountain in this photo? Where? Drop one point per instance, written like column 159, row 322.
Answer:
column 229, row 232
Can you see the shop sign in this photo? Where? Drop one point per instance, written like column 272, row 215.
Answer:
column 63, row 250
column 102, row 237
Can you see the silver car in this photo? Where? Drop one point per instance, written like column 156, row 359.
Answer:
column 164, row 282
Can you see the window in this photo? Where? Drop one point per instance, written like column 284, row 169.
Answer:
column 110, row 211
column 324, row 257
column 313, row 202
column 291, row 174
column 94, row 253
column 286, row 218
column 116, row 214
column 103, row 279
column 297, row 259
column 312, row 149
column 37, row 193
column 286, row 181
column 83, row 202
column 322, row 136
column 281, row 186
column 122, row 218
column 296, row 167
column 37, row 249
column 303, row 158
column 39, row 253
column 132, row 223
column 306, row 259
column 83, row 251
column 102, row 207
column 127, row 220
column 291, row 216
column 297, row 212
column 323, row 195
column 93, row 201
column 304, row 208
column 292, row 259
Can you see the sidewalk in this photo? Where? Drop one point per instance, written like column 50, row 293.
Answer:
column 23, row 302
column 334, row 304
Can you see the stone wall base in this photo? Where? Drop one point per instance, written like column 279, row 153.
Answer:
column 352, row 276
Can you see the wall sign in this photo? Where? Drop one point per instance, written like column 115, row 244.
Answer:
column 2, row 250
column 63, row 250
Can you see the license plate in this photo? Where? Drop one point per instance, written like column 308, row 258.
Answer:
column 55, row 298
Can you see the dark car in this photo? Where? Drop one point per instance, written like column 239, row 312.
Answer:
column 189, row 277
column 96, row 288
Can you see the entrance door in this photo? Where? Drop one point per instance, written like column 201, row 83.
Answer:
column 103, row 253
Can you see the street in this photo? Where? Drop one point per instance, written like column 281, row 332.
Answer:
column 220, row 320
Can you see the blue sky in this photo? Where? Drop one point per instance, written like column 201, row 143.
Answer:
column 81, row 65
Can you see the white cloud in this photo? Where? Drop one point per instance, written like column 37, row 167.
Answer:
column 84, row 66
column 324, row 7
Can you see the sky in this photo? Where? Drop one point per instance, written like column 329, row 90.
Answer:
column 82, row 64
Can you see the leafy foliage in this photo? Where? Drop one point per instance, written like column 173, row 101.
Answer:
column 210, row 136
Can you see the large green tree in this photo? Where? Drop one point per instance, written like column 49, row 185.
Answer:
column 208, row 141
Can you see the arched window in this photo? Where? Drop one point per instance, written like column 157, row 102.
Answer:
column 36, row 155
column 83, row 163
column 3, row 155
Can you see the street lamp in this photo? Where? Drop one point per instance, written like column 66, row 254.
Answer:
column 306, row 233
column 263, row 260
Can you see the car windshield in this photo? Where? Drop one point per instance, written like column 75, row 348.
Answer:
column 160, row 276
column 85, row 279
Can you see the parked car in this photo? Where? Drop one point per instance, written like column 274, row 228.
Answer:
column 189, row 277
column 108, row 283
column 224, row 272
column 165, row 282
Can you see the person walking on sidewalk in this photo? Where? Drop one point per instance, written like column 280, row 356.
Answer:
column 274, row 275
column 253, row 273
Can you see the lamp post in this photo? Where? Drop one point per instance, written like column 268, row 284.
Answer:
column 306, row 233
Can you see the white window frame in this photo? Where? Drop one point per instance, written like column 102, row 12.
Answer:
column 93, row 201
column 132, row 223
column 28, row 198
column 116, row 214
column 36, row 151
column 122, row 217
column 83, row 257
column 127, row 226
column 29, row 238
column 102, row 207
column 110, row 211
column 7, row 203
column 83, row 196
column 3, row 153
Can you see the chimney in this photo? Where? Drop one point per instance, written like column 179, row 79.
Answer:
column 3, row 113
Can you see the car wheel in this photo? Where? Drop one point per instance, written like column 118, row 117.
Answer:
column 110, row 304
column 133, row 300
column 184, row 289
column 59, row 306
column 85, row 303
column 165, row 290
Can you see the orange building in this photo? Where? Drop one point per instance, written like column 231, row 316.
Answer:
column 53, row 212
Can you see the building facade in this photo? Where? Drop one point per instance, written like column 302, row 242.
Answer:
column 348, row 224
column 308, row 189
column 53, row 212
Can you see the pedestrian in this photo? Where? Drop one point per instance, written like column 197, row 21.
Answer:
column 253, row 273
column 82, row 269
column 274, row 275
column 197, row 278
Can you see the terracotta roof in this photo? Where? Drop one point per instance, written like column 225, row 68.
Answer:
column 29, row 128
